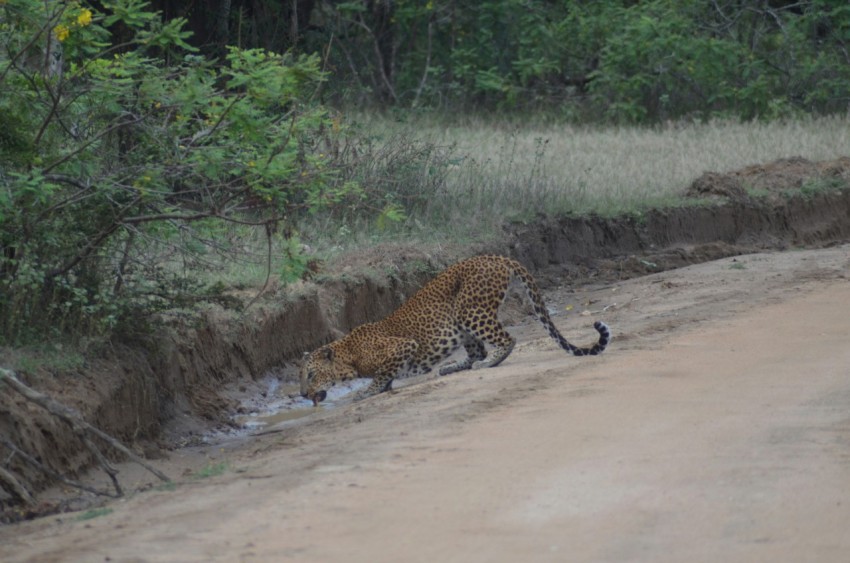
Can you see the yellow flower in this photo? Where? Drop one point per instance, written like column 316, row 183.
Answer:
column 84, row 18
column 61, row 32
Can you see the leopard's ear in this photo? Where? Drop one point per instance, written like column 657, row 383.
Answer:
column 329, row 354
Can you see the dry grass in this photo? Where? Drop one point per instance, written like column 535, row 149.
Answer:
column 494, row 172
column 610, row 170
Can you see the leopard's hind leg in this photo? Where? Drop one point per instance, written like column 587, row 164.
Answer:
column 475, row 352
column 483, row 327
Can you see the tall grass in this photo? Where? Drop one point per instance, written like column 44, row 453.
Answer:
column 461, row 182
column 504, row 171
column 609, row 170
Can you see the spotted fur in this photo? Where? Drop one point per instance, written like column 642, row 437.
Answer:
column 457, row 308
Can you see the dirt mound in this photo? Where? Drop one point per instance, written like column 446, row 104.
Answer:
column 716, row 184
column 780, row 176
column 163, row 392
column 793, row 173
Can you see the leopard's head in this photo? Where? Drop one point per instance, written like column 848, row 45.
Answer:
column 320, row 371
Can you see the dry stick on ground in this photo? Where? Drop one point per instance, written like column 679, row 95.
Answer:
column 20, row 491
column 81, row 428
column 44, row 469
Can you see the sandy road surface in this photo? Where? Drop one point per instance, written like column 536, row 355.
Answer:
column 716, row 428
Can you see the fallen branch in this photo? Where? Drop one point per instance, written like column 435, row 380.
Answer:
column 81, row 428
column 49, row 472
column 604, row 309
column 20, row 491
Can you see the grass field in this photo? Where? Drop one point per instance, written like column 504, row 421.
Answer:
column 496, row 172
column 477, row 175
column 436, row 188
column 610, row 170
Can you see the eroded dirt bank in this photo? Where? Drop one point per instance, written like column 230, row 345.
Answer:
column 714, row 428
column 171, row 389
column 788, row 203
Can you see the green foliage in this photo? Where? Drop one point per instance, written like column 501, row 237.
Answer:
column 817, row 186
column 621, row 60
column 51, row 357
column 669, row 58
column 134, row 158
column 624, row 60
column 295, row 261
column 391, row 213
column 94, row 513
column 396, row 176
column 212, row 470
column 124, row 164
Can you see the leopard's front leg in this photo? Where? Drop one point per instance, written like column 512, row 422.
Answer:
column 391, row 357
column 379, row 385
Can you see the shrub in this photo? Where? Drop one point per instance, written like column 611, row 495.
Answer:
column 128, row 161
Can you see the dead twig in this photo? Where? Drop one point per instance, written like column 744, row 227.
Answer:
column 611, row 306
column 81, row 428
column 56, row 476
column 17, row 488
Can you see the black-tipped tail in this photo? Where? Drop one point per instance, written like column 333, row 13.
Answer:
column 601, row 344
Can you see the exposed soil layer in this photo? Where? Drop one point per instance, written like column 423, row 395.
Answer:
column 165, row 393
column 795, row 203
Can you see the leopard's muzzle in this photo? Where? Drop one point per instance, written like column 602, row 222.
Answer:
column 316, row 397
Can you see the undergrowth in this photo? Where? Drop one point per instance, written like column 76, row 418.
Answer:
column 480, row 175
column 431, row 182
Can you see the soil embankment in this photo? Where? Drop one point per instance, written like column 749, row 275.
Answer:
column 152, row 395
column 715, row 428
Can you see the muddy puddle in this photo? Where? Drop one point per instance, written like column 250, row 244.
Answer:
column 279, row 403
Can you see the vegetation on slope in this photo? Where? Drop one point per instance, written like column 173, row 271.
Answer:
column 141, row 163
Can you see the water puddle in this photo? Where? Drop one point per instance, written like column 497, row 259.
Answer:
column 281, row 403
column 262, row 420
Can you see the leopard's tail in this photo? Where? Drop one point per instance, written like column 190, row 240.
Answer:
column 533, row 293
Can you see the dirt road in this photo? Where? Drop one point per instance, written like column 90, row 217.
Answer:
column 715, row 428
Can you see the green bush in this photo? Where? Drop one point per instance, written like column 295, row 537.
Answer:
column 128, row 161
column 622, row 60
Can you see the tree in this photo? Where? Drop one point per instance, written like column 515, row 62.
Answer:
column 125, row 155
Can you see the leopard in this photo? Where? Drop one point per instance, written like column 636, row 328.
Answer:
column 459, row 307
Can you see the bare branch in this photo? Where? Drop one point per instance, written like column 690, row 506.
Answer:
column 91, row 141
column 20, row 491
column 92, row 245
column 48, row 25
column 80, row 427
column 56, row 476
column 268, row 267
column 427, row 63
column 193, row 217
column 379, row 57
